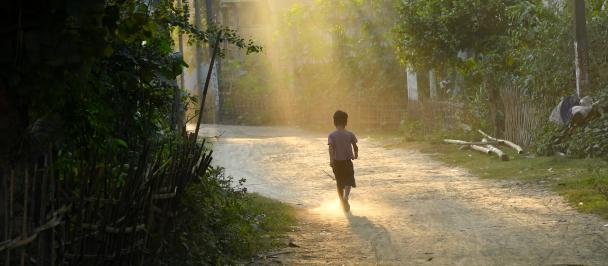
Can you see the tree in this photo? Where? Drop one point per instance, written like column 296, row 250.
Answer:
column 92, row 62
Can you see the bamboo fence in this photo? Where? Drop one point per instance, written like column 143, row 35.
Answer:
column 522, row 116
column 91, row 216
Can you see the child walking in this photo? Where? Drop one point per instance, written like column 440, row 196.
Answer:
column 341, row 145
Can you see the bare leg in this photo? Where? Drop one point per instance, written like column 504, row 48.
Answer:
column 346, row 192
column 340, row 193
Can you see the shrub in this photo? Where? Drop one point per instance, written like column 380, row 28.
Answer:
column 587, row 140
column 220, row 223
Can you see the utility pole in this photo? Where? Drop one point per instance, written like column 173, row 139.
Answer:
column 581, row 54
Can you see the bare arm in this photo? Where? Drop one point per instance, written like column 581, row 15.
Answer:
column 356, row 149
column 331, row 155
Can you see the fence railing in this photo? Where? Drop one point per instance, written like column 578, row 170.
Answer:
column 363, row 112
column 435, row 115
column 521, row 116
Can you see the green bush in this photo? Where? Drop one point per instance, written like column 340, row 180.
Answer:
column 222, row 224
column 589, row 139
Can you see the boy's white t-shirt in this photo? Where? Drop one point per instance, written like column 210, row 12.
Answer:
column 342, row 141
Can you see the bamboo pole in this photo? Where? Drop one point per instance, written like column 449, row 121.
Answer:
column 25, row 210
column 52, row 202
column 206, row 88
column 44, row 240
column 9, row 216
column 502, row 141
column 5, row 212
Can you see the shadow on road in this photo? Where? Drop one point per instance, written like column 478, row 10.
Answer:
column 377, row 235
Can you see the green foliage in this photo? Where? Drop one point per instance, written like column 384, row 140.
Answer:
column 222, row 224
column 432, row 33
column 273, row 220
column 597, row 29
column 249, row 82
column 589, row 139
column 215, row 227
column 94, row 82
column 95, row 61
column 540, row 51
column 419, row 130
column 507, row 41
column 347, row 48
column 522, row 45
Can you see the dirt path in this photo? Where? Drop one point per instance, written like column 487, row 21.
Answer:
column 407, row 208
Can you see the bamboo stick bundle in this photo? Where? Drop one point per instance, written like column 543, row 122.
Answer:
column 502, row 141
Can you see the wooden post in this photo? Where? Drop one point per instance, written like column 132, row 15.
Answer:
column 581, row 55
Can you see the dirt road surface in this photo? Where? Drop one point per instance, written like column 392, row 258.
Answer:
column 407, row 209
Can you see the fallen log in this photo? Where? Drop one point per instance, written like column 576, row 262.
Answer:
column 462, row 142
column 503, row 156
column 502, row 141
column 480, row 149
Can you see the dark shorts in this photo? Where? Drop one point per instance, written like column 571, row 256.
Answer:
column 345, row 174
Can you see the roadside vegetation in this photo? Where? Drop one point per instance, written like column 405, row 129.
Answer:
column 515, row 63
column 223, row 224
column 95, row 164
column 582, row 182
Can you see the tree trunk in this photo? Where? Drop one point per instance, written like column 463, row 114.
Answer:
column 178, row 112
column 497, row 109
column 581, row 55
column 215, row 86
column 198, row 49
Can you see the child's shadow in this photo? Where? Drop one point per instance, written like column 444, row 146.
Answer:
column 378, row 237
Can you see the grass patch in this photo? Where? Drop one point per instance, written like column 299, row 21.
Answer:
column 582, row 182
column 274, row 220
column 588, row 193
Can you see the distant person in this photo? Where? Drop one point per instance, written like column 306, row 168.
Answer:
column 341, row 145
